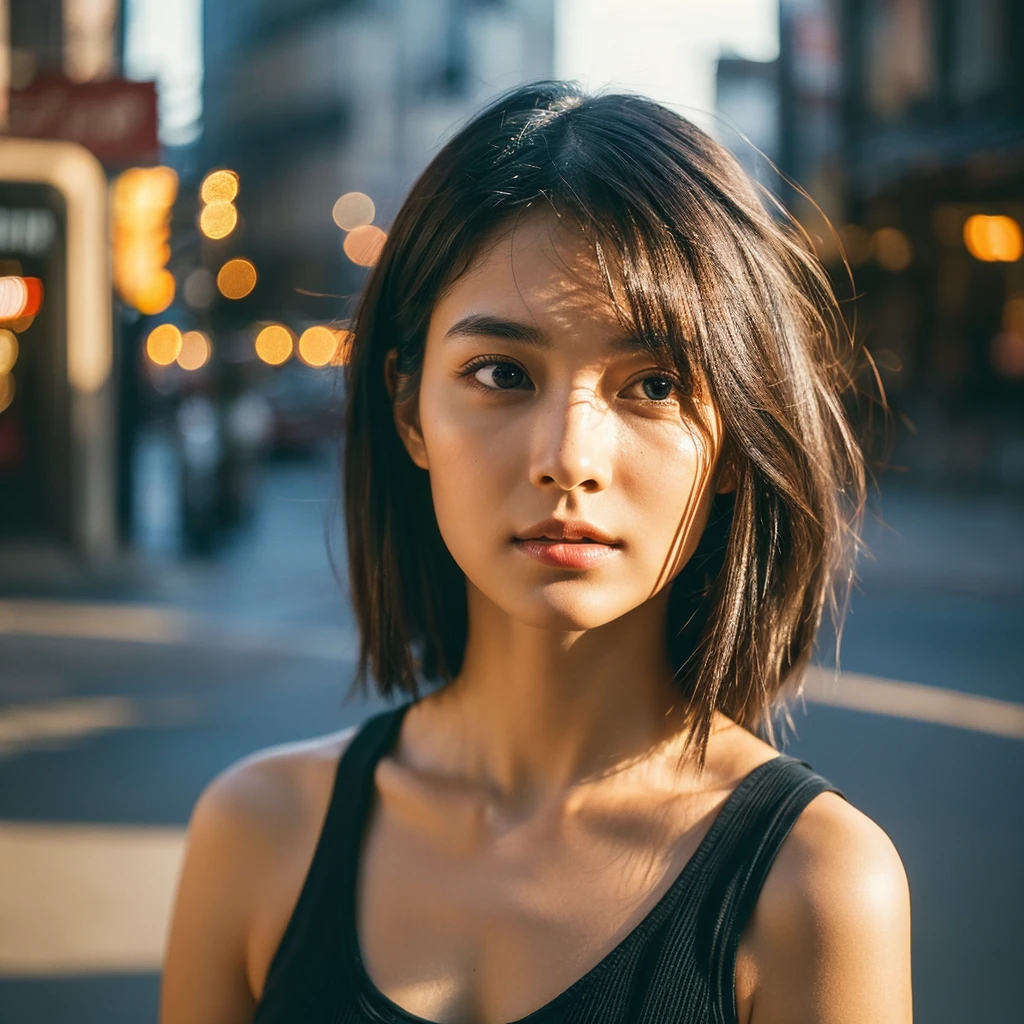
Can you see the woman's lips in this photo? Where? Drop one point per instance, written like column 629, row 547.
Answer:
column 567, row 554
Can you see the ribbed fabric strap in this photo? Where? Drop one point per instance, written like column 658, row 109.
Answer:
column 743, row 857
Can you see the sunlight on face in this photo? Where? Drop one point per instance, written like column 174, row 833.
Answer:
column 532, row 404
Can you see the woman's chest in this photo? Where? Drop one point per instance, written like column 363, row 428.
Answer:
column 457, row 931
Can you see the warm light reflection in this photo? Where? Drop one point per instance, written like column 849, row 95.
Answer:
column 195, row 350
column 218, row 220
column 317, row 346
column 892, row 249
column 219, row 187
column 236, row 279
column 363, row 245
column 275, row 344
column 8, row 351
column 164, row 344
column 995, row 239
column 6, row 390
column 353, row 210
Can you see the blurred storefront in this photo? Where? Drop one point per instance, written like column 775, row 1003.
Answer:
column 904, row 120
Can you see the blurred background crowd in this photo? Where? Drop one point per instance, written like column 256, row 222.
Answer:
column 191, row 195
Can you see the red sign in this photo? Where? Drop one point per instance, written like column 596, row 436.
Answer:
column 115, row 119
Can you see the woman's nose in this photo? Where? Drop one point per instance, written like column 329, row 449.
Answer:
column 572, row 446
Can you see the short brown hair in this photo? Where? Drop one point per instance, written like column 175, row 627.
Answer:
column 717, row 279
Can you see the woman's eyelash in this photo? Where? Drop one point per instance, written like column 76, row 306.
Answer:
column 485, row 361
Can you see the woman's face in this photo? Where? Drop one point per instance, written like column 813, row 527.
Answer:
column 532, row 405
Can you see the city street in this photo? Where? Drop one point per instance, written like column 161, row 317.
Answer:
column 118, row 704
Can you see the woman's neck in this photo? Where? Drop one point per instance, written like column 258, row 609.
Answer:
column 537, row 711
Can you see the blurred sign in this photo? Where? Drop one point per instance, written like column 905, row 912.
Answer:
column 115, row 119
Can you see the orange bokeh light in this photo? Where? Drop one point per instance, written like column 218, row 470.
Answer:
column 156, row 294
column 317, row 346
column 275, row 344
column 218, row 220
column 363, row 245
column 164, row 344
column 236, row 279
column 995, row 239
column 219, row 187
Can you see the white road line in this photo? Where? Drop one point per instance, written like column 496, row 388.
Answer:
column 85, row 899
column 149, row 624
column 917, row 701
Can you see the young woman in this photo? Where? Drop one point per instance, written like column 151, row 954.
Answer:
column 598, row 487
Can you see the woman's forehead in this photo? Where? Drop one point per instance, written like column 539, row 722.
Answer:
column 540, row 264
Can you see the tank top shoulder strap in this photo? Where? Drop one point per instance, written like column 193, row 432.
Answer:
column 752, row 831
column 315, row 930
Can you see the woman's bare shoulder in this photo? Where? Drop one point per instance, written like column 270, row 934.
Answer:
column 269, row 788
column 250, row 842
column 829, row 938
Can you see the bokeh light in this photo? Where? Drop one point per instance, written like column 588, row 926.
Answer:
column 892, row 249
column 200, row 288
column 275, row 344
column 363, row 245
column 219, row 187
column 6, row 390
column 156, row 294
column 21, row 324
column 195, row 350
column 856, row 243
column 353, row 210
column 8, row 351
column 317, row 346
column 20, row 296
column 993, row 239
column 236, row 279
column 218, row 220
column 163, row 344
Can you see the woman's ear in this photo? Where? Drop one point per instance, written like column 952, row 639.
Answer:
column 406, row 413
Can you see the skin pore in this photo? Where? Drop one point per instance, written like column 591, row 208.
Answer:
column 535, row 809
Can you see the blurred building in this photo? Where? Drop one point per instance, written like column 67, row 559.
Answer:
column 904, row 120
column 747, row 105
column 308, row 100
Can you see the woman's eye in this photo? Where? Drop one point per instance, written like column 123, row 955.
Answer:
column 498, row 375
column 658, row 388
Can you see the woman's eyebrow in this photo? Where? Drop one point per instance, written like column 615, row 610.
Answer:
column 483, row 325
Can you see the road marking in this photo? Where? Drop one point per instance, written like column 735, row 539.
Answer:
column 56, row 724
column 85, row 899
column 915, row 700
column 150, row 624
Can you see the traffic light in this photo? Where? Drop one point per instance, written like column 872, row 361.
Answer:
column 57, row 432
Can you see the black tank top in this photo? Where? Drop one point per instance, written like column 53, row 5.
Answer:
column 676, row 966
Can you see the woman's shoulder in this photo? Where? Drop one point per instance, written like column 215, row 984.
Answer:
column 251, row 840
column 831, row 926
column 274, row 786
